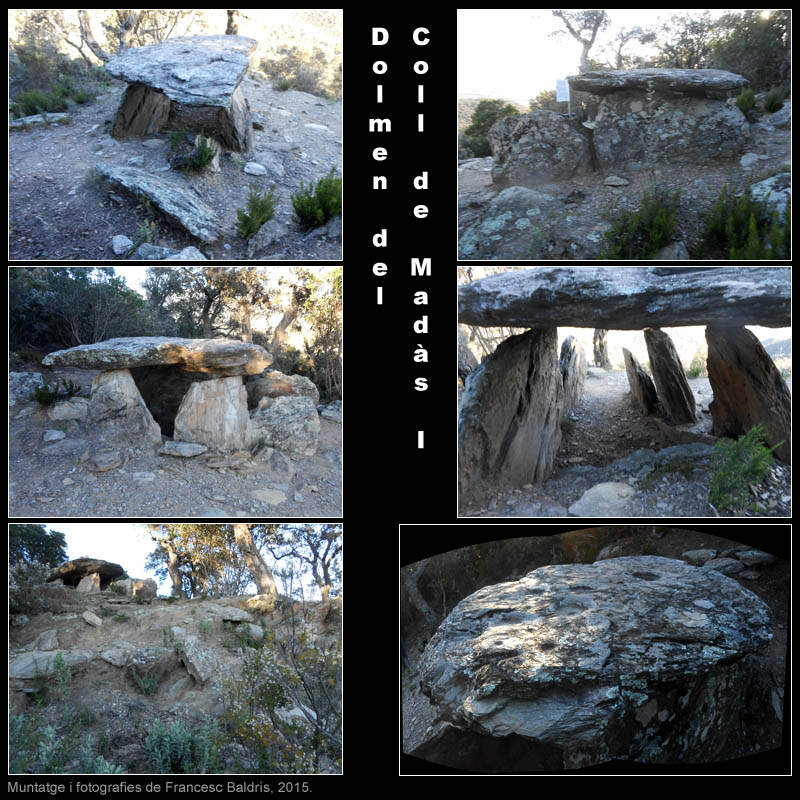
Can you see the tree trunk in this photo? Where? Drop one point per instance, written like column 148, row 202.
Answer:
column 232, row 28
column 88, row 37
column 262, row 577
column 126, row 30
column 601, row 358
column 247, row 332
column 174, row 572
column 279, row 334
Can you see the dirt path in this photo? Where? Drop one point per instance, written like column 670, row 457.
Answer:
column 605, row 439
column 59, row 211
column 52, row 480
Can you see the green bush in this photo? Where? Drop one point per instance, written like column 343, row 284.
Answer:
column 146, row 684
column 774, row 101
column 746, row 101
column 311, row 71
column 202, row 154
column 318, row 202
column 47, row 396
column 260, row 209
column 737, row 465
column 743, row 228
column 640, row 234
column 176, row 750
column 35, row 101
column 474, row 142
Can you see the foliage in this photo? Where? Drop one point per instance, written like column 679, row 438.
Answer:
column 684, row 42
column 145, row 683
column 55, row 307
column 474, row 142
column 639, row 234
column 202, row 154
column 260, row 209
column 24, row 590
column 774, row 100
column 312, row 71
column 35, row 101
column 546, row 100
column 737, row 465
column 177, row 750
column 33, row 542
column 754, row 45
column 91, row 764
column 743, row 228
column 699, row 367
column 47, row 396
column 318, row 202
column 746, row 101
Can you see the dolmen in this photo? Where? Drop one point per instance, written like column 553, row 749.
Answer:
column 83, row 572
column 640, row 658
column 189, row 83
column 191, row 390
column 509, row 418
column 674, row 116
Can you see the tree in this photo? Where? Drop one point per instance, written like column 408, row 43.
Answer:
column 583, row 26
column 622, row 40
column 546, row 100
column 259, row 571
column 684, row 42
column 33, row 542
column 474, row 138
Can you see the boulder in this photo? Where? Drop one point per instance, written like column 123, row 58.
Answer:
column 572, row 364
column 775, row 192
column 276, row 384
column 220, row 357
column 540, row 147
column 89, row 584
column 677, row 400
column 641, row 658
column 748, row 388
column 198, row 660
column 151, row 252
column 90, row 618
column 36, row 663
column 181, row 206
column 22, row 385
column 509, row 426
column 628, row 298
column 698, row 557
column 116, row 405
column 143, row 588
column 182, row 449
column 71, row 408
column 698, row 82
column 71, row 572
column 214, row 413
column 641, row 384
column 185, row 82
column 289, row 424
column 782, row 118
column 727, row 566
column 607, row 499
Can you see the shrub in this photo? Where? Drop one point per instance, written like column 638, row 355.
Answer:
column 260, row 209
column 176, row 750
column 146, row 684
column 743, row 228
column 47, row 396
column 774, row 100
column 319, row 202
column 91, row 764
column 746, row 101
column 202, row 154
column 305, row 70
column 640, row 234
column 737, row 465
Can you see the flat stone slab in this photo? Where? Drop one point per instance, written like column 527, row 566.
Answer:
column 193, row 70
column 628, row 298
column 223, row 357
column 187, row 211
column 705, row 82
column 643, row 658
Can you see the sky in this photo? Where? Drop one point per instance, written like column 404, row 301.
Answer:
column 509, row 54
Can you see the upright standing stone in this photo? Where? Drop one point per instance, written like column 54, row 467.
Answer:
column 748, row 388
column 214, row 413
column 572, row 363
column 673, row 389
column 116, row 405
column 510, row 425
column 641, row 385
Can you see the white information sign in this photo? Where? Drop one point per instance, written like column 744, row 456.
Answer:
column 562, row 91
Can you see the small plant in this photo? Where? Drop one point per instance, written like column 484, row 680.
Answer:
column 739, row 464
column 746, row 101
column 46, row 396
column 91, row 764
column 260, row 209
column 121, row 617
column 205, row 628
column 176, row 138
column 318, row 202
column 147, row 684
column 640, row 234
column 773, row 101
column 176, row 750
column 202, row 154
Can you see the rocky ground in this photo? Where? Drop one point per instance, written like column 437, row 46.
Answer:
column 588, row 201
column 769, row 582
column 55, row 480
column 59, row 211
column 103, row 699
column 668, row 468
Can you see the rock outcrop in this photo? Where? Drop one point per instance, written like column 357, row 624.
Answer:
column 531, row 149
column 628, row 298
column 186, row 82
column 641, row 658
column 511, row 411
column 677, row 400
column 748, row 388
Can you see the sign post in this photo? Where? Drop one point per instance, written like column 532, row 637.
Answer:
column 562, row 94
